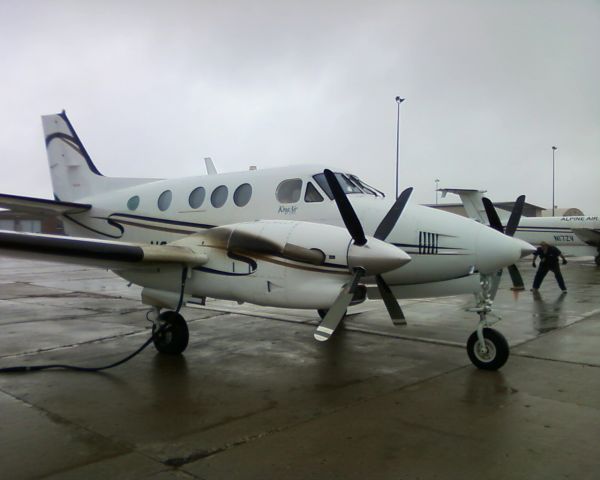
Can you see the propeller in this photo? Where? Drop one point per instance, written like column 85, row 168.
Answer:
column 360, row 259
column 346, row 211
column 511, row 228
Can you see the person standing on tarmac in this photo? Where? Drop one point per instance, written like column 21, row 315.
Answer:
column 549, row 255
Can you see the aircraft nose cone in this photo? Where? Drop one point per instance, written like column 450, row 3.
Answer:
column 526, row 248
column 376, row 257
column 496, row 250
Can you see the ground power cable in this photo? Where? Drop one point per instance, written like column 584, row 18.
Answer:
column 76, row 368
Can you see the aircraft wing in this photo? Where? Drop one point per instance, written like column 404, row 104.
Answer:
column 588, row 235
column 95, row 253
column 41, row 206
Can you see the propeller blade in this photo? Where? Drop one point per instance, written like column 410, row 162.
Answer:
column 337, row 311
column 515, row 216
column 516, row 278
column 390, row 219
column 346, row 211
column 492, row 215
column 392, row 305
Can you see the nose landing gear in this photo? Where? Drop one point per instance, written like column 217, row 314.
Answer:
column 487, row 348
column 490, row 352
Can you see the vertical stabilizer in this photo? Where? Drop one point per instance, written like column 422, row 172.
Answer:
column 72, row 171
column 210, row 166
column 74, row 175
column 472, row 201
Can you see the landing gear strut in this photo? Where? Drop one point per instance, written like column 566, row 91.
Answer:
column 169, row 331
column 487, row 348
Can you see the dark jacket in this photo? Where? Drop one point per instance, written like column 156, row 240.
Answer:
column 549, row 257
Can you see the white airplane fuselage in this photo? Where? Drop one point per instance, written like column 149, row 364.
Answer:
column 574, row 235
column 442, row 246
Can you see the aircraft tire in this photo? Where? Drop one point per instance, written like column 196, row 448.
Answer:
column 173, row 340
column 497, row 354
column 597, row 260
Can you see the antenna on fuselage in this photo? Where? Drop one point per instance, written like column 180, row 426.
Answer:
column 210, row 166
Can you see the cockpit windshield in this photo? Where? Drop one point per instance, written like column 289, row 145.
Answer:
column 349, row 183
column 366, row 187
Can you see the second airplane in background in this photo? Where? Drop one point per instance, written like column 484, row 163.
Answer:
column 574, row 235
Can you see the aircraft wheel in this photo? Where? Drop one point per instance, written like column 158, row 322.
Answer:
column 173, row 340
column 597, row 260
column 491, row 356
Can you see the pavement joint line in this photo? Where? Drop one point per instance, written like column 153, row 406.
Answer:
column 72, row 345
column 589, row 316
column 555, row 360
column 88, row 342
column 71, row 317
column 126, row 446
column 201, row 455
column 450, row 343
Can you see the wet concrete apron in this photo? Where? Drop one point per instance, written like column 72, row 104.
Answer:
column 255, row 396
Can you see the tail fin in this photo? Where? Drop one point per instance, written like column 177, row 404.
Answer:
column 74, row 175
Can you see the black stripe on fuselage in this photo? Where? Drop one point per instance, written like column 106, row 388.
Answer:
column 114, row 217
column 87, row 227
column 421, row 249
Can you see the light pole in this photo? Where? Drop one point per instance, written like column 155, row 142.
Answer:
column 398, row 101
column 437, row 181
column 553, row 204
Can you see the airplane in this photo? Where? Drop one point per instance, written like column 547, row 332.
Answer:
column 297, row 237
column 577, row 235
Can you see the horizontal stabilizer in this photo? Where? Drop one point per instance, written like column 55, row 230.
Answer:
column 40, row 206
column 94, row 253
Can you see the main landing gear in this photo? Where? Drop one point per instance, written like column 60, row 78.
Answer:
column 487, row 348
column 170, row 333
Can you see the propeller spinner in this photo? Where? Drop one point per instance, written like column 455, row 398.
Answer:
column 371, row 256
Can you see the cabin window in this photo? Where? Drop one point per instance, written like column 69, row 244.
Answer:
column 133, row 203
column 289, row 191
column 242, row 194
column 219, row 196
column 164, row 200
column 312, row 194
column 196, row 198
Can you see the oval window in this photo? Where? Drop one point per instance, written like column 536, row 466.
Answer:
column 164, row 201
column 219, row 196
column 242, row 194
column 288, row 191
column 133, row 203
column 197, row 197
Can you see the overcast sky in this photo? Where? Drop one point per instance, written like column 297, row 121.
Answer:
column 153, row 87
